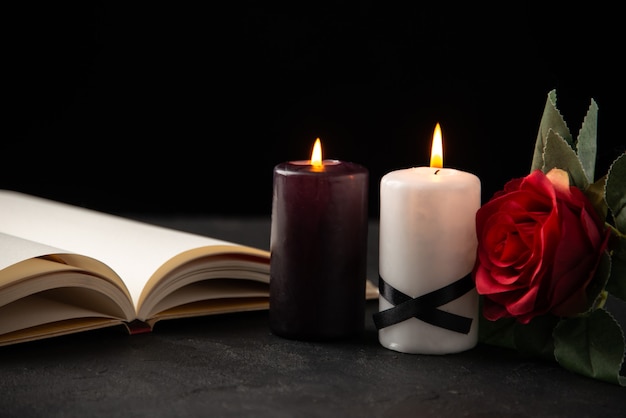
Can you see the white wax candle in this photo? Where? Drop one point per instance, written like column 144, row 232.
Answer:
column 427, row 241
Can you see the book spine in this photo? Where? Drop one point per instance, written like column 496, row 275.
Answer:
column 138, row 327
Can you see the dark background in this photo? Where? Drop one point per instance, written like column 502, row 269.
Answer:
column 162, row 107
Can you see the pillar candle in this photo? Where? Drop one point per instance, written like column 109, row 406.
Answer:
column 427, row 249
column 318, row 247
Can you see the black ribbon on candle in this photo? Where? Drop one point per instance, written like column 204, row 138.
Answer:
column 425, row 307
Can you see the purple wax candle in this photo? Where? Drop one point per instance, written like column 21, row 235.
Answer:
column 318, row 250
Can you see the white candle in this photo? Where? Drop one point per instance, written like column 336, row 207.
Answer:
column 427, row 242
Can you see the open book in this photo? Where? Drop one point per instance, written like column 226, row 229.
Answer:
column 66, row 269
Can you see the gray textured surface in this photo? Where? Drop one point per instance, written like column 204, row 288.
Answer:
column 232, row 365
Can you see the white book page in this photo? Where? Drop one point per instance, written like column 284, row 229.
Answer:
column 133, row 249
column 15, row 249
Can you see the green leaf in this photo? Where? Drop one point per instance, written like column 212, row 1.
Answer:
column 558, row 154
column 595, row 193
column 499, row 333
column 616, row 192
column 535, row 338
column 596, row 290
column 617, row 280
column 586, row 147
column 592, row 346
column 550, row 120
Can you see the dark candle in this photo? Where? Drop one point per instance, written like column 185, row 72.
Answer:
column 318, row 250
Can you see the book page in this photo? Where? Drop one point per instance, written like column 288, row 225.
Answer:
column 15, row 249
column 205, row 272
column 45, row 309
column 133, row 249
column 70, row 277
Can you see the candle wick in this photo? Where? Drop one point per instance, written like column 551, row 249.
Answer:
column 437, row 171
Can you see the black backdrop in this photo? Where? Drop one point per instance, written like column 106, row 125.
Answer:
column 163, row 107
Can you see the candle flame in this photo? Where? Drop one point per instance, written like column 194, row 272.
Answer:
column 436, row 153
column 316, row 154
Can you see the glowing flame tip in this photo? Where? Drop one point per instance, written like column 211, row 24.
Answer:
column 436, row 154
column 316, row 155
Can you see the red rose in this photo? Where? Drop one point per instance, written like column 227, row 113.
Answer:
column 539, row 244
